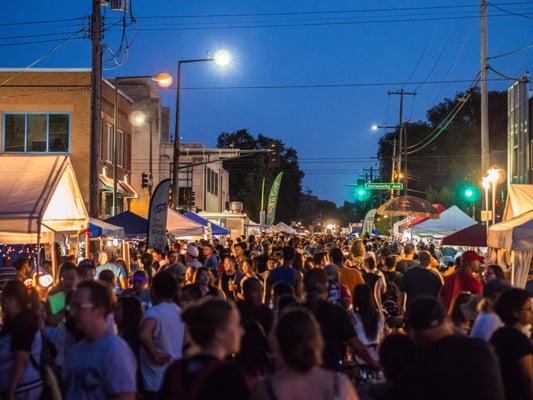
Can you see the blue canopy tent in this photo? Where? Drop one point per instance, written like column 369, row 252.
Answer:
column 215, row 229
column 134, row 225
column 103, row 229
column 358, row 231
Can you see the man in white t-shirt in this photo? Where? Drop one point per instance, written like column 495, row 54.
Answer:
column 191, row 257
column 161, row 334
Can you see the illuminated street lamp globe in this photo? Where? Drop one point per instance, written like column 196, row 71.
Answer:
column 222, row 58
column 138, row 118
column 163, row 79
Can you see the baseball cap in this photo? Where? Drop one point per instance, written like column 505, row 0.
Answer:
column 425, row 312
column 332, row 271
column 471, row 255
column 192, row 250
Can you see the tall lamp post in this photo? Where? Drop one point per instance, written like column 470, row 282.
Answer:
column 395, row 164
column 221, row 58
column 163, row 80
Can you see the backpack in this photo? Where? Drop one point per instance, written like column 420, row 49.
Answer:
column 174, row 387
column 48, row 370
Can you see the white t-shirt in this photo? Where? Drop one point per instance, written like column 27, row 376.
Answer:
column 485, row 325
column 168, row 338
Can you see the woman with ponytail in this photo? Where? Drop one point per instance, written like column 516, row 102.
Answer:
column 20, row 344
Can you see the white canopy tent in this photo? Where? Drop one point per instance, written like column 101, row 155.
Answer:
column 519, row 201
column 283, row 227
column 451, row 220
column 516, row 236
column 40, row 196
column 181, row 226
column 105, row 229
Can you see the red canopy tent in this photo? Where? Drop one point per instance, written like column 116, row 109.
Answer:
column 412, row 221
column 473, row 236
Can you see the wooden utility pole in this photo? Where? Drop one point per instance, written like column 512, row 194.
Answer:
column 96, row 120
column 484, row 90
column 402, row 141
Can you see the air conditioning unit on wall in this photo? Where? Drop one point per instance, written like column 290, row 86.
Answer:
column 117, row 5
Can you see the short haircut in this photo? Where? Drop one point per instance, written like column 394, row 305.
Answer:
column 251, row 284
column 395, row 352
column 408, row 249
column 315, row 281
column 280, row 288
column 147, row 259
column 424, row 312
column 205, row 318
column 390, row 261
column 19, row 263
column 510, row 303
column 370, row 263
column 107, row 276
column 164, row 285
column 288, row 253
column 98, row 293
column 68, row 266
column 424, row 257
column 336, row 256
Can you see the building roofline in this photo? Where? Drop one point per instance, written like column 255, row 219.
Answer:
column 120, row 91
column 45, row 69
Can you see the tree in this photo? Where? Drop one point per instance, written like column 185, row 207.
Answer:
column 246, row 174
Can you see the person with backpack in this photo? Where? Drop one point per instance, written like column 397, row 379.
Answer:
column 214, row 326
column 20, row 344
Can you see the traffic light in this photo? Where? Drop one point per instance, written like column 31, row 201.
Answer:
column 362, row 193
column 470, row 193
column 274, row 154
column 146, row 180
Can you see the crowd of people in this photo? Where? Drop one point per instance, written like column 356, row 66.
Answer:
column 272, row 316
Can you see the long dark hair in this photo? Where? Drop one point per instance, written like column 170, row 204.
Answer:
column 365, row 305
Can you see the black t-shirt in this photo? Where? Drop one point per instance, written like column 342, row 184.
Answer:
column 336, row 330
column 22, row 329
column 226, row 278
column 371, row 279
column 223, row 382
column 454, row 367
column 419, row 281
column 261, row 263
column 404, row 265
column 394, row 281
column 262, row 314
column 511, row 345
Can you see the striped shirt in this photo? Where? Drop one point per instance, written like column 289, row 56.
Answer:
column 7, row 273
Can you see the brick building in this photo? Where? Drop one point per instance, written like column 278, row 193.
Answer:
column 48, row 110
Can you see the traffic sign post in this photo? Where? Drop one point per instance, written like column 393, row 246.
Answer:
column 383, row 186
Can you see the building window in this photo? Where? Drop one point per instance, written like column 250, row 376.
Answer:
column 36, row 132
column 212, row 182
column 108, row 154
column 120, row 145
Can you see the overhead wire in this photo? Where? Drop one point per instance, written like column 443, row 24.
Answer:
column 510, row 12
column 508, row 53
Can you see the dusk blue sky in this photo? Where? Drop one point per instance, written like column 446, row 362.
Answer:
column 318, row 122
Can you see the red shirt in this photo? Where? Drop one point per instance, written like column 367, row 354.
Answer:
column 460, row 281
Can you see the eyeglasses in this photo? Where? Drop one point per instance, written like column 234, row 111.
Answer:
column 79, row 306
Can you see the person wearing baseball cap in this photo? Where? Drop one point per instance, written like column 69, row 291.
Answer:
column 463, row 280
column 447, row 366
column 191, row 257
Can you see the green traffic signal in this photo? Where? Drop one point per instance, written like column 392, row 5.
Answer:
column 362, row 193
column 470, row 193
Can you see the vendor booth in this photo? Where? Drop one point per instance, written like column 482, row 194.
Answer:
column 215, row 230
column 182, row 227
column 40, row 200
column 473, row 236
column 283, row 228
column 516, row 236
column 450, row 221
column 135, row 226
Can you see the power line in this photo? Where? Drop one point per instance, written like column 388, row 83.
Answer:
column 330, row 85
column 311, row 24
column 508, row 53
column 46, row 21
column 509, row 11
column 315, row 12
column 35, row 42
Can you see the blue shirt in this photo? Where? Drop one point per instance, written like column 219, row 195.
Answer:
column 118, row 270
column 101, row 369
column 211, row 262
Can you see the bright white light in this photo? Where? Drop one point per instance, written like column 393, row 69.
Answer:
column 375, row 127
column 138, row 118
column 163, row 79
column 493, row 175
column 222, row 58
column 46, row 280
column 485, row 182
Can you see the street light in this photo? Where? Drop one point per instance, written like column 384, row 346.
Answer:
column 221, row 58
column 163, row 80
column 396, row 164
column 493, row 176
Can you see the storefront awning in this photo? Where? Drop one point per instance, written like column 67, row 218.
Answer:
column 40, row 194
column 129, row 191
